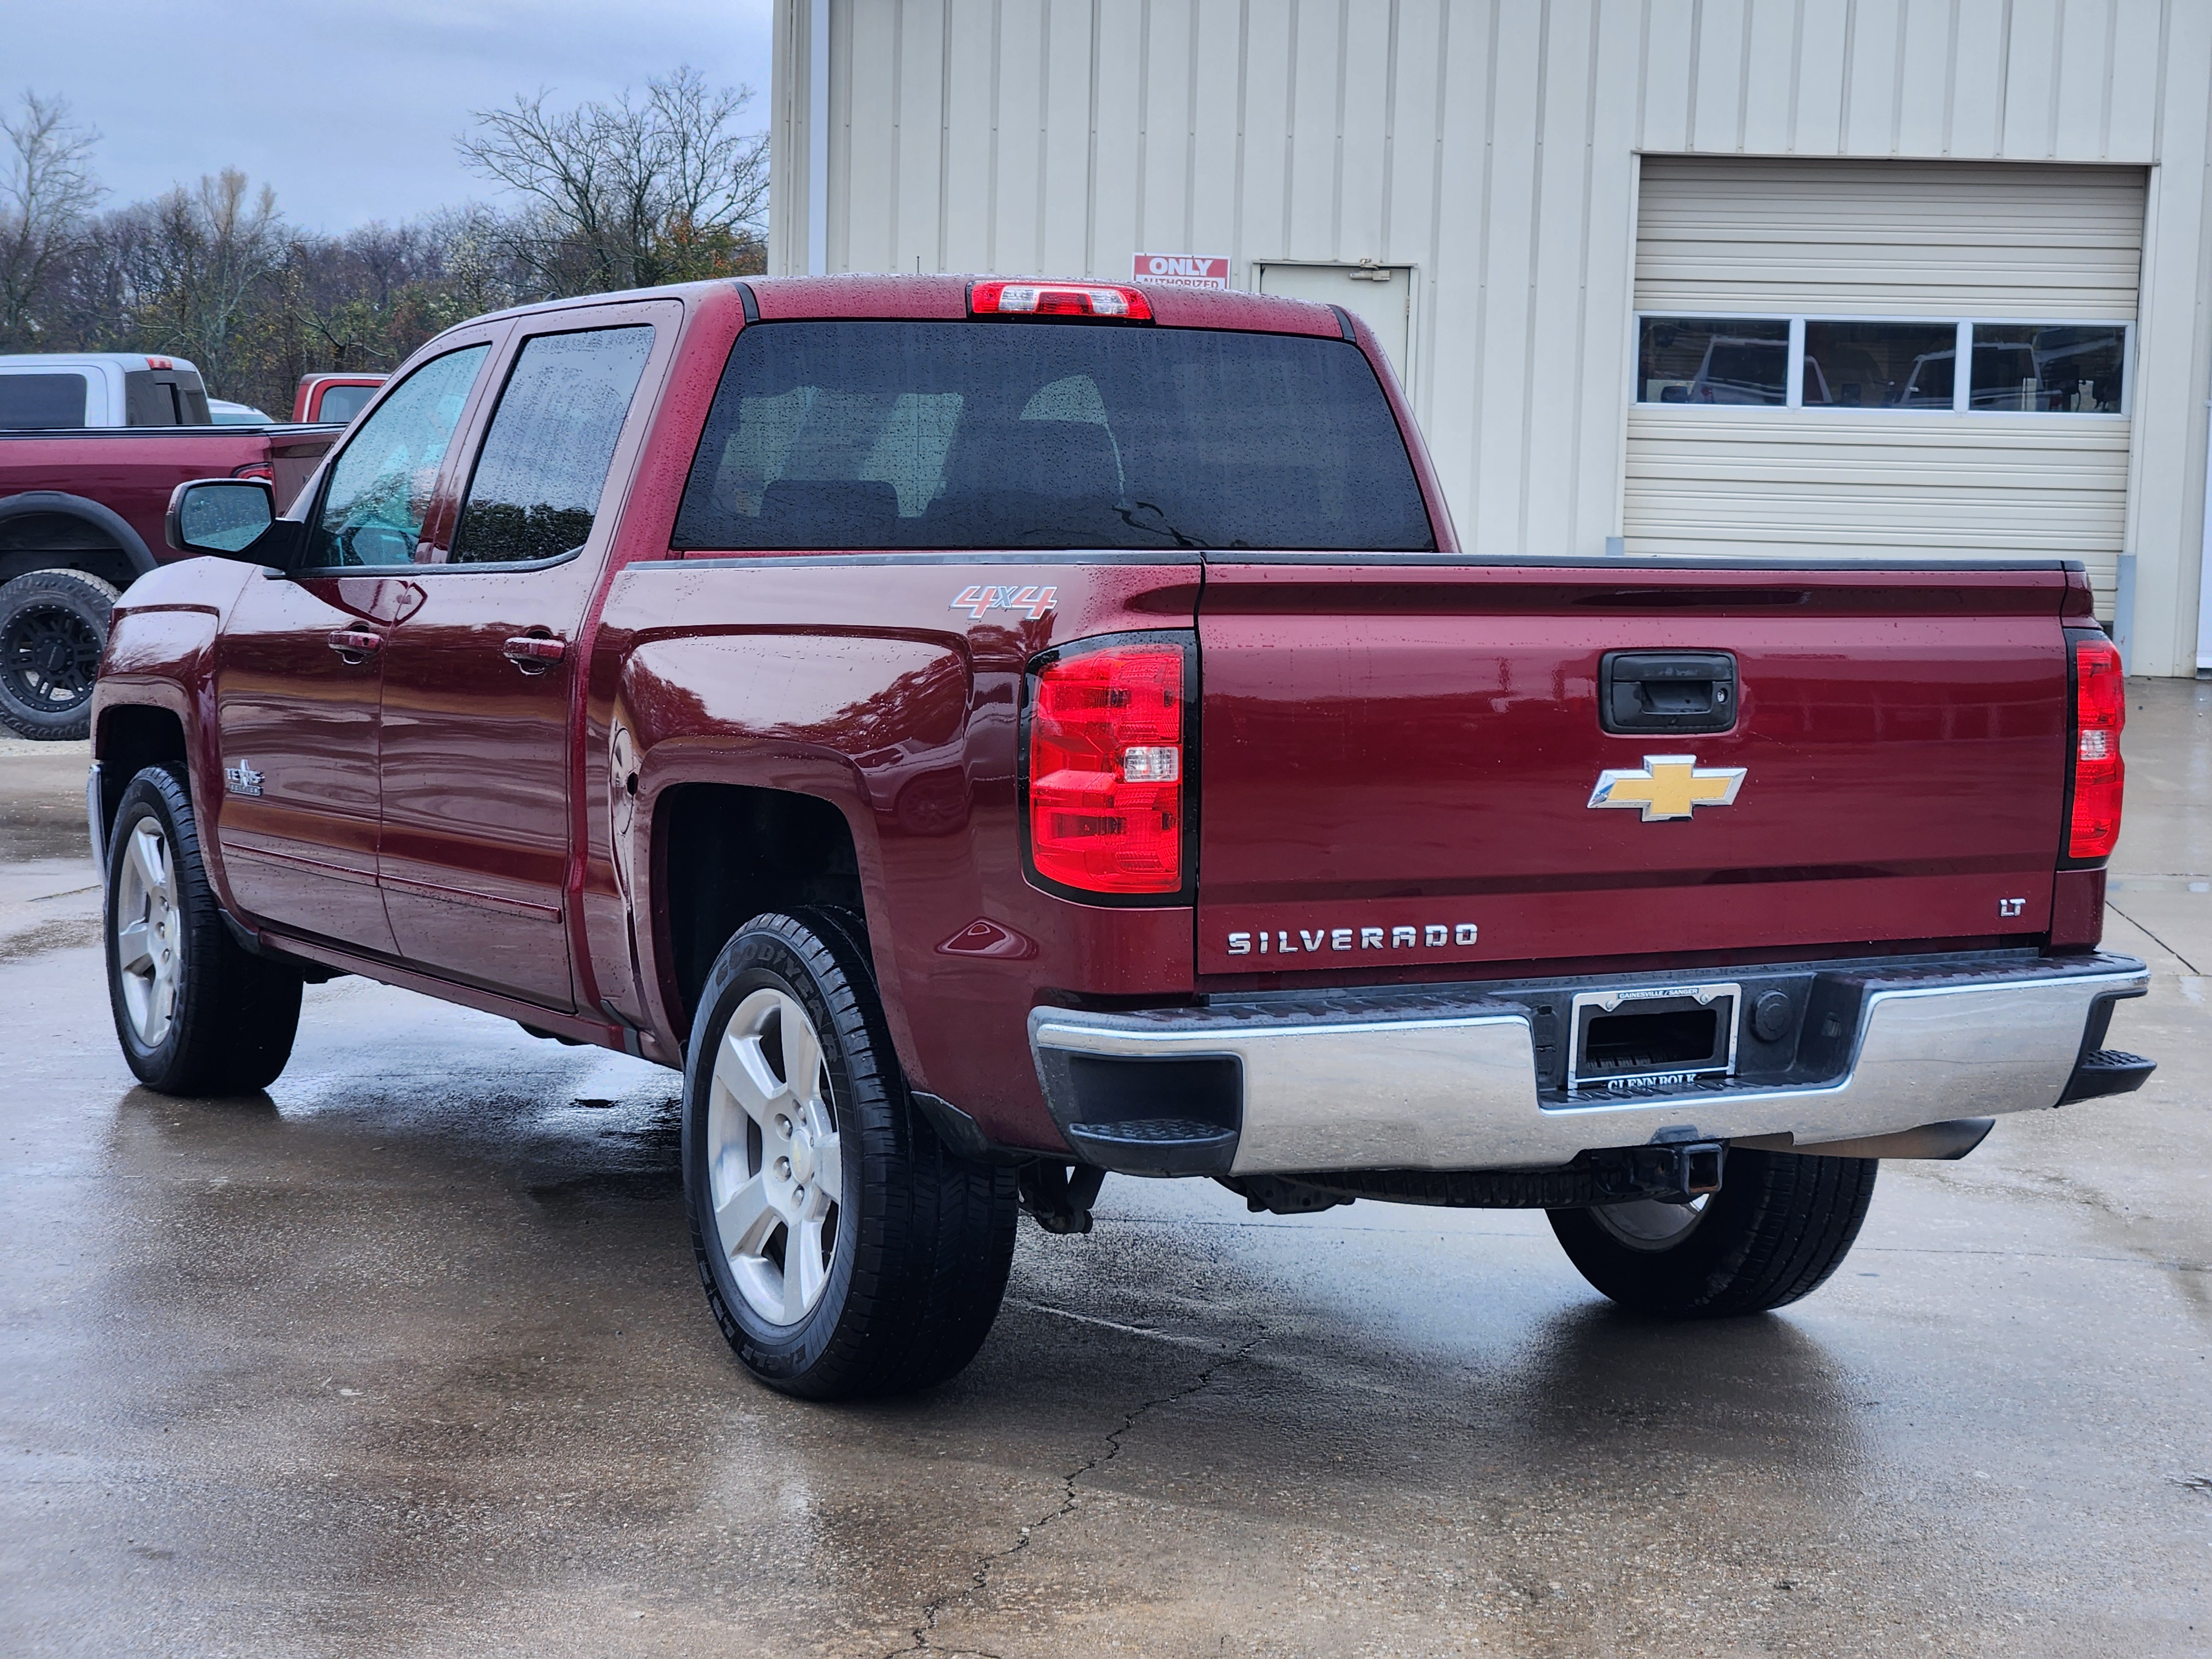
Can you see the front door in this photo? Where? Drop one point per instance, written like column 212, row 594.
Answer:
column 298, row 673
column 479, row 682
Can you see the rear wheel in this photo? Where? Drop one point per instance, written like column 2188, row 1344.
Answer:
column 53, row 627
column 195, row 1013
column 845, row 1249
column 1778, row 1227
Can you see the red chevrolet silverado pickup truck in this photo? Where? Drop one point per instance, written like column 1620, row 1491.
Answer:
column 989, row 734
column 81, row 518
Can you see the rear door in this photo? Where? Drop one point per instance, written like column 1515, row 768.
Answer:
column 1406, row 763
column 478, row 680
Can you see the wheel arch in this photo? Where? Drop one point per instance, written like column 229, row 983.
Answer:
column 38, row 524
column 723, row 852
column 126, row 738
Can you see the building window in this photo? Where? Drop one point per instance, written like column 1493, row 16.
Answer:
column 1713, row 360
column 2071, row 368
column 1847, row 362
column 1880, row 365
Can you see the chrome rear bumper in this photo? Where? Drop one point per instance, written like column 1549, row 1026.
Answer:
column 1420, row 1079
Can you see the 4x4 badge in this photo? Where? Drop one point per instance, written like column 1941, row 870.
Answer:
column 1669, row 786
column 1032, row 602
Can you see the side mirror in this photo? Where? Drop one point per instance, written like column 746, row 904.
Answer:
column 225, row 518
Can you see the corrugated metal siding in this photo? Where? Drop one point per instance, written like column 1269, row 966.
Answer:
column 1493, row 145
column 1902, row 238
column 1927, row 239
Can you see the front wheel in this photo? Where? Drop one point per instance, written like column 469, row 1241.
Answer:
column 1780, row 1224
column 195, row 1013
column 845, row 1249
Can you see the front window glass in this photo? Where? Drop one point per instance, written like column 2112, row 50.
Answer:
column 1713, row 360
column 381, row 484
column 2069, row 368
column 1880, row 365
column 544, row 461
column 853, row 435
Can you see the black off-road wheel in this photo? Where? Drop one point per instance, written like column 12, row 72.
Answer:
column 53, row 626
column 845, row 1249
column 1779, row 1225
column 195, row 1013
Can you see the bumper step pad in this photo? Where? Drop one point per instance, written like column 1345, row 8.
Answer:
column 2106, row 1072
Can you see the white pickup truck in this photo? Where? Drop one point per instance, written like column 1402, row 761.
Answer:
column 101, row 388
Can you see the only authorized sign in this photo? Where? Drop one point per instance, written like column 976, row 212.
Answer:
column 1185, row 269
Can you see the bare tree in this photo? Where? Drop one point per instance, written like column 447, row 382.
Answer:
column 632, row 192
column 47, row 190
column 205, row 255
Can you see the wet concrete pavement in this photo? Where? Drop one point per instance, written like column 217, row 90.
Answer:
column 408, row 1357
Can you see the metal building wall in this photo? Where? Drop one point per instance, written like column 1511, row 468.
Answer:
column 1494, row 145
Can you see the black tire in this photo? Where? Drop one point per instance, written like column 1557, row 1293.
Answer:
column 53, row 626
column 919, row 1241
column 1779, row 1225
column 231, row 1014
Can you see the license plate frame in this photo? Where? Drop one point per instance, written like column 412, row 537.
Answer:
column 1724, row 997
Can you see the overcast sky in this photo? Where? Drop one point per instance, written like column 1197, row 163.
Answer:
column 348, row 108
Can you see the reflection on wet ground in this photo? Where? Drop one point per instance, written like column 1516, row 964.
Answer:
column 408, row 1356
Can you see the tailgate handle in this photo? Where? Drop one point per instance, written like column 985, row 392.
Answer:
column 1666, row 691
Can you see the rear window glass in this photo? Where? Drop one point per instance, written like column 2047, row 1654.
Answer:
column 544, row 461
column 31, row 401
column 342, row 402
column 886, row 434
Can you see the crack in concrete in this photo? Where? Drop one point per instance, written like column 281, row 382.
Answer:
column 980, row 1579
column 2154, row 938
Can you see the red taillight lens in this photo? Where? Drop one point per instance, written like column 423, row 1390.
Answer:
column 1106, row 770
column 1058, row 299
column 2100, row 709
column 260, row 469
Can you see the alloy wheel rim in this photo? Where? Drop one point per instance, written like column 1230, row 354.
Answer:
column 775, row 1165
column 149, row 947
column 1651, row 1224
column 50, row 658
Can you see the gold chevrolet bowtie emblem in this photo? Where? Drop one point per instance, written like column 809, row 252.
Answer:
column 1669, row 786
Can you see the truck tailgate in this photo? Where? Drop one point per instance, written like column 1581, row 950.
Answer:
column 1397, row 762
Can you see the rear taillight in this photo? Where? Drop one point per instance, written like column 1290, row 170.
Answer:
column 260, row 469
column 1106, row 769
column 2100, row 709
column 1058, row 299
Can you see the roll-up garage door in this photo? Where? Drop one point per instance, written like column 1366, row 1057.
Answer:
column 1883, row 359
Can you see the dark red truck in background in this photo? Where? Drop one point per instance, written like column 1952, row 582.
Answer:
column 333, row 397
column 91, row 446
column 989, row 734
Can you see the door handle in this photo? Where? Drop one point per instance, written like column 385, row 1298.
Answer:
column 354, row 645
column 533, row 654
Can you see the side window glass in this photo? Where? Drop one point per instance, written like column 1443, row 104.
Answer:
column 544, row 460
column 380, row 488
column 29, row 402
